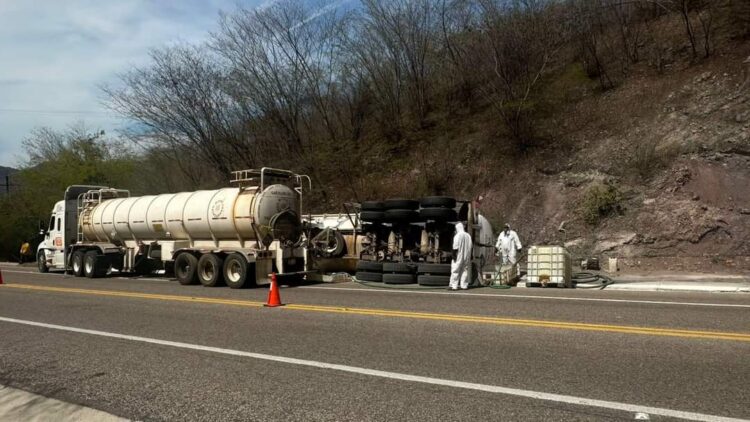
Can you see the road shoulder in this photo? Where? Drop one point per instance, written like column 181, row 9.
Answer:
column 20, row 405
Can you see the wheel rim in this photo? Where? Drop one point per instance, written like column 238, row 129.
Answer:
column 183, row 269
column 89, row 266
column 208, row 271
column 76, row 264
column 234, row 272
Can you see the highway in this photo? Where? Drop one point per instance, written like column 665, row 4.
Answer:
column 150, row 349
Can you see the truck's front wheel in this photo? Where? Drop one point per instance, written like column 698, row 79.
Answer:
column 41, row 262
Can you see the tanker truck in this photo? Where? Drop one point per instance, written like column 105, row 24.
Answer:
column 236, row 235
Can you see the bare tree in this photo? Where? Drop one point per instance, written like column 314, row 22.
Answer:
column 395, row 43
column 520, row 41
column 704, row 12
column 179, row 101
column 458, row 18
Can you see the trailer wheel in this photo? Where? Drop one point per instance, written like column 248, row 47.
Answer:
column 399, row 278
column 437, row 202
column 434, row 269
column 372, row 206
column 369, row 276
column 235, row 271
column 92, row 264
column 398, row 267
column 434, row 280
column 438, row 214
column 185, row 268
column 41, row 262
column 404, row 204
column 371, row 266
column 401, row 216
column 371, row 216
column 210, row 268
column 77, row 263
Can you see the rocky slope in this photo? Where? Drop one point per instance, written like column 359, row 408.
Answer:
column 678, row 149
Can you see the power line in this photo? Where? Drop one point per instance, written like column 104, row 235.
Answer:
column 43, row 111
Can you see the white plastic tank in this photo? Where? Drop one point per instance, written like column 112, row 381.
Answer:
column 224, row 214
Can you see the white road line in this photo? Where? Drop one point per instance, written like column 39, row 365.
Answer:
column 500, row 296
column 559, row 398
column 510, row 296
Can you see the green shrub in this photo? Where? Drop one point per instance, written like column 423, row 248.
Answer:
column 601, row 201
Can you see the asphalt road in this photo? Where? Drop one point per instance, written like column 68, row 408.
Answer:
column 155, row 350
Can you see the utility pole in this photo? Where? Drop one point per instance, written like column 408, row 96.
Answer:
column 7, row 184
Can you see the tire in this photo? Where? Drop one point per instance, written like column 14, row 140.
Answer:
column 372, row 216
column 434, row 280
column 434, row 269
column 330, row 250
column 399, row 278
column 91, row 264
column 77, row 263
column 398, row 267
column 41, row 262
column 185, row 268
column 372, row 206
column 437, row 202
column 439, row 214
column 103, row 265
column 401, row 215
column 236, row 271
column 210, row 270
column 371, row 266
column 368, row 276
column 401, row 204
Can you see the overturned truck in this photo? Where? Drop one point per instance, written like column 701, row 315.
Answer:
column 236, row 235
column 407, row 241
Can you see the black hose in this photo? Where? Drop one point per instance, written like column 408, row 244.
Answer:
column 601, row 280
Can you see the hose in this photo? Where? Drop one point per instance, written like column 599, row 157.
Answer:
column 601, row 280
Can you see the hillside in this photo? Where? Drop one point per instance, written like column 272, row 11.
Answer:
column 675, row 146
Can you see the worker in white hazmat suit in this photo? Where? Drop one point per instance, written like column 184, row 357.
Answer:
column 461, row 262
column 508, row 245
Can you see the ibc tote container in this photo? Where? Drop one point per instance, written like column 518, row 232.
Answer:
column 549, row 265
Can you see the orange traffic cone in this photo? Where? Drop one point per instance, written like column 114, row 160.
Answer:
column 274, row 299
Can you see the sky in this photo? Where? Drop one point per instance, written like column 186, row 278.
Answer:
column 55, row 54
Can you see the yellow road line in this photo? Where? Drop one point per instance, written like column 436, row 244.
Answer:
column 669, row 332
column 175, row 298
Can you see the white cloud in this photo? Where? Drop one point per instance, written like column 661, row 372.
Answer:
column 54, row 54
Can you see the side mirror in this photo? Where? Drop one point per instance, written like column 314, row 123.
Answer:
column 42, row 232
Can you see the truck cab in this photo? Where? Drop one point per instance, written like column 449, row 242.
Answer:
column 61, row 232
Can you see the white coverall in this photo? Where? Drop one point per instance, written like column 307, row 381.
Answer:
column 508, row 244
column 462, row 262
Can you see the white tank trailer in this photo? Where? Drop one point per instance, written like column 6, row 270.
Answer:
column 236, row 235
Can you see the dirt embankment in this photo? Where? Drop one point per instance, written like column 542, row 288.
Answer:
column 676, row 146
